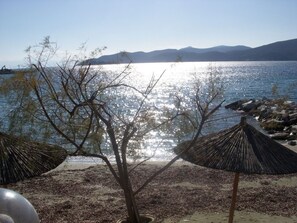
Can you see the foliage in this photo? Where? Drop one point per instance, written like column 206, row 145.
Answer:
column 100, row 113
column 22, row 104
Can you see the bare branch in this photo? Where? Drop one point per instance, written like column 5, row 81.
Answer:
column 105, row 159
column 203, row 119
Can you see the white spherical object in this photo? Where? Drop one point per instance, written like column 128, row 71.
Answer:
column 14, row 208
column 5, row 219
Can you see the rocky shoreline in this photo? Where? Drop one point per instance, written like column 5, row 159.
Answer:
column 278, row 117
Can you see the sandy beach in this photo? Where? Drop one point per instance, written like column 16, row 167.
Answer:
column 184, row 193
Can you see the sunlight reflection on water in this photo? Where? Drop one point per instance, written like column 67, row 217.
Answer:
column 241, row 80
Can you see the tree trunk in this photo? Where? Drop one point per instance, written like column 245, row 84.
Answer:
column 132, row 208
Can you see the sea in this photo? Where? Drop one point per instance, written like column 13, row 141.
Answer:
column 240, row 80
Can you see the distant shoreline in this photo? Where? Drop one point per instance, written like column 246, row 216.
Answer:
column 14, row 71
column 278, row 51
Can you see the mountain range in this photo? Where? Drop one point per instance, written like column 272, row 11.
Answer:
column 278, row 51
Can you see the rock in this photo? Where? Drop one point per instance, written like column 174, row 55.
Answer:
column 292, row 143
column 250, row 105
column 294, row 128
column 274, row 108
column 280, row 136
column 293, row 116
column 265, row 113
column 283, row 112
column 273, row 124
column 288, row 102
column 292, row 136
column 286, row 119
column 235, row 105
column 291, row 119
column 262, row 108
column 271, row 131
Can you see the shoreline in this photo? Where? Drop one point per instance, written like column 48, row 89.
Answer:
column 79, row 163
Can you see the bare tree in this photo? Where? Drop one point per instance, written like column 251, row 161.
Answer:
column 91, row 108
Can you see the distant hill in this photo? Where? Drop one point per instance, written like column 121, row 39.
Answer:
column 278, row 51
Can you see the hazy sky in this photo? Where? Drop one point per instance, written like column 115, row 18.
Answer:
column 139, row 25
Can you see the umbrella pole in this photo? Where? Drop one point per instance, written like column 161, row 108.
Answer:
column 234, row 196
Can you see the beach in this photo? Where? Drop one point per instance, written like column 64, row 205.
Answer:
column 183, row 193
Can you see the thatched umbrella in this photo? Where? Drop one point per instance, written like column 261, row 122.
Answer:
column 240, row 149
column 21, row 159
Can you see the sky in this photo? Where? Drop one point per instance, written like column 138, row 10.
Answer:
column 141, row 25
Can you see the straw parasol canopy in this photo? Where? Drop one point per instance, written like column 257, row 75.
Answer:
column 240, row 149
column 21, row 159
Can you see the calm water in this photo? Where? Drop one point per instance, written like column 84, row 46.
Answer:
column 241, row 80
